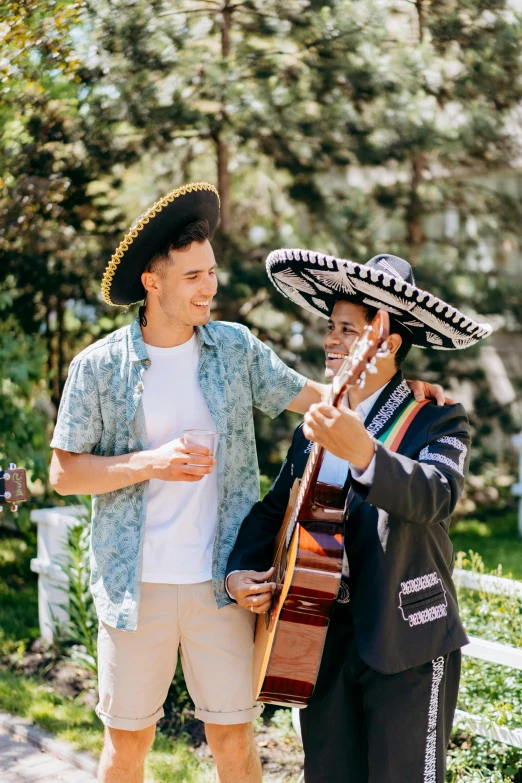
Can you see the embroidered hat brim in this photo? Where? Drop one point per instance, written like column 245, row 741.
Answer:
column 121, row 282
column 316, row 282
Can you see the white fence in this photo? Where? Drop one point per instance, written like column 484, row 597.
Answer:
column 501, row 654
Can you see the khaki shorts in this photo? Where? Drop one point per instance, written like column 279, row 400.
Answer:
column 216, row 645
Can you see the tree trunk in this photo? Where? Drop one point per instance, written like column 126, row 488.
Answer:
column 223, row 182
column 414, row 233
column 49, row 343
column 186, row 163
column 419, row 5
column 60, row 335
column 226, row 21
column 222, row 150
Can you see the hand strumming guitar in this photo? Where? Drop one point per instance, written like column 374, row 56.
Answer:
column 251, row 590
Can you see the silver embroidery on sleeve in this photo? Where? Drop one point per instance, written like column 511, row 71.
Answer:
column 430, row 758
column 434, row 456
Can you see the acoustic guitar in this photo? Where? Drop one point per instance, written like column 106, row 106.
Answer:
column 308, row 557
column 13, row 486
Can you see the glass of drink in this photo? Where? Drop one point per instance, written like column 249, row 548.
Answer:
column 205, row 438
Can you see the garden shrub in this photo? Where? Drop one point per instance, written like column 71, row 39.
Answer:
column 491, row 691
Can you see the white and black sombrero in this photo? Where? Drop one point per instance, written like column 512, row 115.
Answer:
column 317, row 282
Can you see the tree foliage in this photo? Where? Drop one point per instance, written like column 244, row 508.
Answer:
column 53, row 199
column 349, row 126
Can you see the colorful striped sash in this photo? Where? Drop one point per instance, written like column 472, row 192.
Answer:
column 392, row 437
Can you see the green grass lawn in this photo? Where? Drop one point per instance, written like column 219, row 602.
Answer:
column 168, row 762
column 18, row 594
column 496, row 541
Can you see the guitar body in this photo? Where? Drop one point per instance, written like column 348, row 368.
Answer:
column 289, row 647
column 308, row 557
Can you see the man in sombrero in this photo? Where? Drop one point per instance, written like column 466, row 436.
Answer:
column 166, row 511
column 385, row 697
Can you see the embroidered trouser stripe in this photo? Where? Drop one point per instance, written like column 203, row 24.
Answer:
column 430, row 764
column 380, row 728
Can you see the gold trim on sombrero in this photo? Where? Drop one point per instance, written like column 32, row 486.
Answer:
column 137, row 226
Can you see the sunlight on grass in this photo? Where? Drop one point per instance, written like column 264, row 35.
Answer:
column 176, row 763
column 496, row 540
column 65, row 718
column 473, row 527
column 168, row 762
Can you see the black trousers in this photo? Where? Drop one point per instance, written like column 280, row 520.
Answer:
column 362, row 726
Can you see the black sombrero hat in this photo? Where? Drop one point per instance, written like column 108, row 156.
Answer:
column 121, row 282
column 317, row 282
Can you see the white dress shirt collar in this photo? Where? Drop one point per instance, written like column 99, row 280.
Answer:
column 364, row 407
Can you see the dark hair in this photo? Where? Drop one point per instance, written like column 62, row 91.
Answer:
column 396, row 327
column 197, row 231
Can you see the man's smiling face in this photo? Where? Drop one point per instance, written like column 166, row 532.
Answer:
column 187, row 283
column 346, row 323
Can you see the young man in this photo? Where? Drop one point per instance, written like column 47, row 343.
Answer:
column 166, row 513
column 385, row 697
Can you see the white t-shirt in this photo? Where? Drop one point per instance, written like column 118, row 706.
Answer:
column 181, row 515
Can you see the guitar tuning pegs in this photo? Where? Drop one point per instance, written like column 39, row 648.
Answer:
column 371, row 368
column 12, row 466
column 14, row 507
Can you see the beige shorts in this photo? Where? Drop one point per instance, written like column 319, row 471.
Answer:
column 216, row 646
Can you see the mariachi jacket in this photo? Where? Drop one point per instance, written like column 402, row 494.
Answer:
column 403, row 601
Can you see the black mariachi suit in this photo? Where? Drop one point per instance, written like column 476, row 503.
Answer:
column 383, row 705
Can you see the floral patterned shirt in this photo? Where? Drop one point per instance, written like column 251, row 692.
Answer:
column 101, row 412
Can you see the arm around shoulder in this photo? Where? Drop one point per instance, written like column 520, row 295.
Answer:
column 274, row 386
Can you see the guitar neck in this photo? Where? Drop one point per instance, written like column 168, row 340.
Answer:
column 313, row 466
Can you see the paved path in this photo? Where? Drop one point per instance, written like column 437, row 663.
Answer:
column 22, row 762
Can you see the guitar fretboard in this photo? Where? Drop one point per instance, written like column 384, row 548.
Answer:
column 315, row 454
